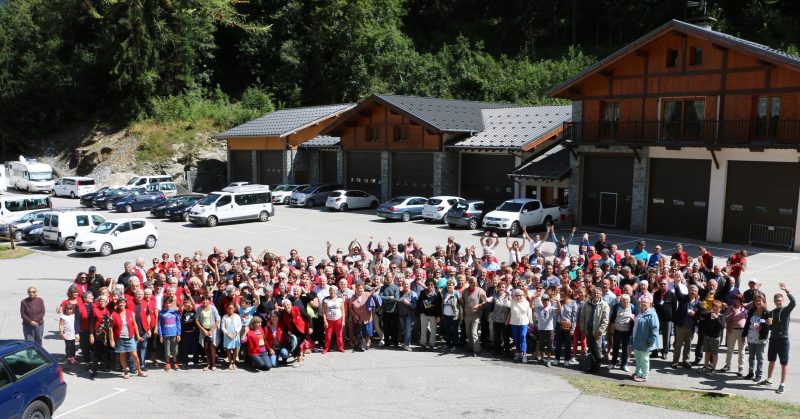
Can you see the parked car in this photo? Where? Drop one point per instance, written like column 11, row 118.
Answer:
column 248, row 202
column 106, row 200
column 74, row 187
column 160, row 210
column 33, row 234
column 180, row 212
column 22, row 222
column 467, row 213
column 122, row 233
column 139, row 201
column 87, row 200
column 169, row 189
column 402, row 208
column 342, row 200
column 31, row 381
column 62, row 226
column 515, row 214
column 313, row 195
column 282, row 193
column 437, row 206
column 142, row 181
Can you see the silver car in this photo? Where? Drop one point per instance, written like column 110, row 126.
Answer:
column 402, row 208
column 313, row 195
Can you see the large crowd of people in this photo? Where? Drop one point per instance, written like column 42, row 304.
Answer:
column 574, row 309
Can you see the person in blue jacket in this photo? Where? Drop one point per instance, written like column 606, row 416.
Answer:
column 645, row 337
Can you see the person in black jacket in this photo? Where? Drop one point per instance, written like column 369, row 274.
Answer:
column 664, row 301
column 778, row 324
column 429, row 307
column 756, row 332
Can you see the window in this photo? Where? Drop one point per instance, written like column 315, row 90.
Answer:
column 5, row 379
column 37, row 203
column 82, row 220
column 54, row 220
column 224, row 200
column 610, row 125
column 97, row 220
column 682, row 118
column 263, row 198
column 25, row 362
column 401, row 134
column 672, row 58
column 373, row 134
column 768, row 115
column 135, row 225
column 696, row 57
column 86, row 182
column 16, row 205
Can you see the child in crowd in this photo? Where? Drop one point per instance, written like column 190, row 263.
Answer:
column 169, row 328
column 66, row 327
column 712, row 324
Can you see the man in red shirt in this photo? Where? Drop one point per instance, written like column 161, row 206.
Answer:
column 737, row 263
column 680, row 256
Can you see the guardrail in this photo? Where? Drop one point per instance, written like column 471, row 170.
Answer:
column 772, row 236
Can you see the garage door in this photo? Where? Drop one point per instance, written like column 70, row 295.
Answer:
column 241, row 164
column 270, row 167
column 678, row 202
column 328, row 169
column 607, row 186
column 486, row 177
column 364, row 171
column 759, row 193
column 412, row 174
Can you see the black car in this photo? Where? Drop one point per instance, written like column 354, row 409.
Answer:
column 32, row 234
column 180, row 212
column 106, row 200
column 160, row 210
column 87, row 200
column 468, row 213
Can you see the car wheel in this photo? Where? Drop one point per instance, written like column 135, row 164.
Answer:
column 286, row 201
column 41, row 240
column 310, row 203
column 446, row 219
column 473, row 223
column 109, row 205
column 72, row 195
column 17, row 235
column 427, row 220
column 406, row 217
column 373, row 205
column 514, row 228
column 69, row 243
column 212, row 221
column 37, row 410
column 186, row 217
column 150, row 242
column 343, row 207
column 263, row 216
column 106, row 249
column 128, row 208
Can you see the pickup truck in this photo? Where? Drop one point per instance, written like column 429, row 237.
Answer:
column 515, row 214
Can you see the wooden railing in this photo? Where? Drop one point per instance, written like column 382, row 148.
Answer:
column 727, row 133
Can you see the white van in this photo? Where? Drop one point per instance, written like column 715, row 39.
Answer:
column 30, row 175
column 144, row 180
column 247, row 202
column 61, row 227
column 74, row 187
column 15, row 206
column 3, row 180
column 169, row 189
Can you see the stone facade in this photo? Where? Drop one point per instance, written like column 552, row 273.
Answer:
column 445, row 173
column 386, row 175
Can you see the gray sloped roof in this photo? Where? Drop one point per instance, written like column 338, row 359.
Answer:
column 321, row 141
column 284, row 121
column 722, row 38
column 551, row 165
column 449, row 115
column 513, row 128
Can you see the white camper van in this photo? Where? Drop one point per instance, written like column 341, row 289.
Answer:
column 30, row 175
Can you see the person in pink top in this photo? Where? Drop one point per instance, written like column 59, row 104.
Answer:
column 735, row 318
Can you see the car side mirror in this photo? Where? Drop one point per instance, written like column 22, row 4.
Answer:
column 116, row 233
column 524, row 211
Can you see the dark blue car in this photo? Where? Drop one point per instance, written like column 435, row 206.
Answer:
column 31, row 382
column 139, row 201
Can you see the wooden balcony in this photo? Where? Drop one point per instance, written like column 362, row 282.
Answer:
column 711, row 134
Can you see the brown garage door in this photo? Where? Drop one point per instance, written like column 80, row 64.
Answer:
column 607, row 186
column 678, row 202
column 241, row 164
column 270, row 167
column 328, row 168
column 412, row 174
column 364, row 171
column 485, row 177
column 759, row 193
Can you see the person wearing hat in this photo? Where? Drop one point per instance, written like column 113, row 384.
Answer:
column 95, row 281
column 753, row 289
column 545, row 320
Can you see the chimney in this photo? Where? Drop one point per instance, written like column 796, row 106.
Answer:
column 705, row 22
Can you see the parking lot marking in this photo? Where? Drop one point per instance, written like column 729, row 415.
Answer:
column 277, row 228
column 83, row 406
column 790, row 259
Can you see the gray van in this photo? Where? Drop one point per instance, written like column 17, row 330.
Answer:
column 313, row 195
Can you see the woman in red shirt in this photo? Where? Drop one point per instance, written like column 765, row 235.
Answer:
column 125, row 336
column 100, row 328
column 259, row 347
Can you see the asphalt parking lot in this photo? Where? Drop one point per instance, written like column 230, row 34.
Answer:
column 377, row 383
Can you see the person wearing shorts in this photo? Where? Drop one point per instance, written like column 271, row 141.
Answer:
column 778, row 324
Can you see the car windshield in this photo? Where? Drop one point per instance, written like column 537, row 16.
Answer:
column 28, row 217
column 40, row 175
column 210, row 199
column 283, row 188
column 396, row 201
column 434, row 201
column 509, row 206
column 105, row 228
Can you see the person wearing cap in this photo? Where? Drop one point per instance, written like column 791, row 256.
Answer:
column 95, row 281
column 753, row 289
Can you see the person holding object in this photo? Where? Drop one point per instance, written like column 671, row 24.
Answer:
column 32, row 311
column 778, row 323
column 756, row 332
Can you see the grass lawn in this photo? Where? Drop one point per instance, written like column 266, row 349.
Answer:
column 731, row 406
column 7, row 253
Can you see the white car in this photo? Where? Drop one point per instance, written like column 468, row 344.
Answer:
column 74, row 187
column 437, row 206
column 516, row 214
column 282, row 193
column 121, row 233
column 342, row 200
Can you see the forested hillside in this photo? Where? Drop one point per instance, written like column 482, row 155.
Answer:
column 114, row 62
